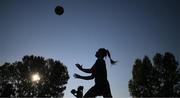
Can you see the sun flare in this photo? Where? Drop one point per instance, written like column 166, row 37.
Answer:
column 35, row 77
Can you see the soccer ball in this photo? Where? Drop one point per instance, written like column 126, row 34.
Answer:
column 59, row 10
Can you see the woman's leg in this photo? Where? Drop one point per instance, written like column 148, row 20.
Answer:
column 91, row 93
column 107, row 91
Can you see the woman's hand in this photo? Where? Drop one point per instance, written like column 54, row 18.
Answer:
column 76, row 76
column 79, row 66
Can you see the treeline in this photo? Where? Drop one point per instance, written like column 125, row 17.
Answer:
column 16, row 78
column 160, row 78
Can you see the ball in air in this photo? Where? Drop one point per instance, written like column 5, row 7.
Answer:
column 59, row 10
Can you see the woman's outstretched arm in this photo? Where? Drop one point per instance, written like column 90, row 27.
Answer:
column 84, row 77
column 83, row 69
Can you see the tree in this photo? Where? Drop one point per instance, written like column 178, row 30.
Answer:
column 16, row 78
column 160, row 79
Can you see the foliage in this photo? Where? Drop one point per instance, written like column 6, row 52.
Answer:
column 160, row 79
column 16, row 78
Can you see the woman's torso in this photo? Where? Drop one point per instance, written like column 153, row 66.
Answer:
column 100, row 72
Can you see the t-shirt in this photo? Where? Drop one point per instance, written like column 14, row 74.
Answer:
column 100, row 72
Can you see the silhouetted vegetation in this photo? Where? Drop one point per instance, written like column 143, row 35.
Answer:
column 16, row 78
column 78, row 93
column 160, row 79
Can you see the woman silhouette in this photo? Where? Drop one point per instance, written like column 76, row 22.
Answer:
column 99, row 72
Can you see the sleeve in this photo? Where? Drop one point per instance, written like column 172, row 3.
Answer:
column 94, row 67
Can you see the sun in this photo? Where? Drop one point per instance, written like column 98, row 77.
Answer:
column 35, row 77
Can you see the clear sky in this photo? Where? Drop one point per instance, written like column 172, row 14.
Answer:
column 130, row 29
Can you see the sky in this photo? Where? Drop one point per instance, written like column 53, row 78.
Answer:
column 129, row 29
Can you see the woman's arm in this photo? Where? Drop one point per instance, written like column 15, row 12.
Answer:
column 84, row 77
column 83, row 69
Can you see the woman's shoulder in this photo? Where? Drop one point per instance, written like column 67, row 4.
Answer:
column 100, row 61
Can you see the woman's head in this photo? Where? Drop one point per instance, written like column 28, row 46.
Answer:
column 102, row 52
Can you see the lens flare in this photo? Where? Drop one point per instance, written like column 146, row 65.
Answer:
column 35, row 77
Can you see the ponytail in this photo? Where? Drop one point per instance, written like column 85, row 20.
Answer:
column 109, row 55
